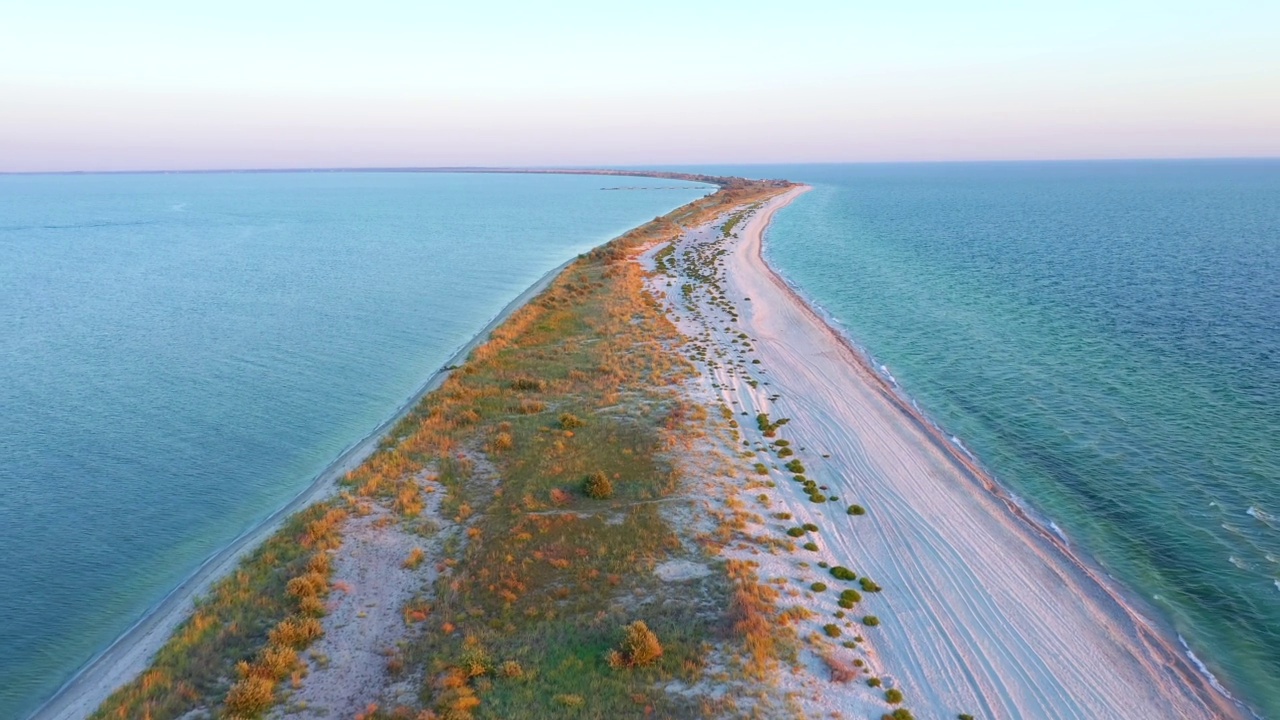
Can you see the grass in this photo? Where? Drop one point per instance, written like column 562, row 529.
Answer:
column 529, row 605
column 236, row 646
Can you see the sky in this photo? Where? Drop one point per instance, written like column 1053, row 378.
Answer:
column 172, row 84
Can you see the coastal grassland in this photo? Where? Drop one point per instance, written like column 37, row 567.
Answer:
column 243, row 637
column 530, row 616
column 530, row 612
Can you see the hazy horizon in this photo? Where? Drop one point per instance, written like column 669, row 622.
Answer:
column 146, row 86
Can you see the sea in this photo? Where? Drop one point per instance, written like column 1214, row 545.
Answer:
column 181, row 354
column 1104, row 337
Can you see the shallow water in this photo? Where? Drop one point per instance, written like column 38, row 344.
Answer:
column 1105, row 337
column 181, row 354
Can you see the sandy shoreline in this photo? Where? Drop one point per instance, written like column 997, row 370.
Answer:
column 129, row 654
column 991, row 613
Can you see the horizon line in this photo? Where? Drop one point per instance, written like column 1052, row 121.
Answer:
column 551, row 169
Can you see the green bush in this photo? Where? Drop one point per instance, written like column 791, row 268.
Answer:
column 569, row 421
column 597, row 486
column 818, row 587
column 873, row 682
column 893, row 696
column 831, row 629
column 795, row 531
column 870, row 621
column 796, row 466
column 639, row 645
column 810, row 527
column 761, row 469
column 857, row 510
column 869, row 585
column 899, row 714
column 840, row 572
column 811, row 547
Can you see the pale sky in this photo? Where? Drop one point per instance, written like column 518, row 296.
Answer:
column 167, row 84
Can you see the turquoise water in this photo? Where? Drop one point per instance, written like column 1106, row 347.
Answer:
column 1105, row 337
column 180, row 354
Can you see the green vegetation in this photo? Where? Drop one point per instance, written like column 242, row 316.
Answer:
column 529, row 599
column 597, row 485
column 818, row 587
column 840, row 572
column 870, row 620
column 893, row 696
column 857, row 510
column 831, row 630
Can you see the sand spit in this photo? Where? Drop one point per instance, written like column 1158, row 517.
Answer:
column 982, row 612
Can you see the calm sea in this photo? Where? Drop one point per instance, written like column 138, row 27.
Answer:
column 1104, row 337
column 181, row 354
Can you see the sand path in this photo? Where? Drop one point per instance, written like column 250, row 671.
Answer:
column 982, row 612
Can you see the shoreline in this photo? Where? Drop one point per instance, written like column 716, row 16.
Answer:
column 1162, row 639
column 130, row 653
column 1138, row 609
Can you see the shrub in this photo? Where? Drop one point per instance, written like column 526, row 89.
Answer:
column 796, row 466
column 810, row 527
column 818, row 587
column 511, row 669
column 296, row 633
column 761, row 469
column 848, row 598
column 893, row 696
column 841, row 572
column 795, row 531
column 639, row 645
column 869, row 585
column 857, row 510
column 782, row 516
column 899, row 714
column 415, row 559
column 597, row 485
column 275, row 662
column 964, row 716
column 870, row 621
column 831, row 629
column 811, row 546
column 528, row 383
column 873, row 682
column 569, row 421
column 250, row 696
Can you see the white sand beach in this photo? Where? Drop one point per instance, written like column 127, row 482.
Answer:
column 982, row 611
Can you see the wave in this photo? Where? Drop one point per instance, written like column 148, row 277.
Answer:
column 1262, row 516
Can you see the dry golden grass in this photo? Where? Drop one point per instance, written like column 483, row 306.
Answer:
column 596, row 347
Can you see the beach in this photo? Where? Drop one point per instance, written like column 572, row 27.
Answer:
column 982, row 611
